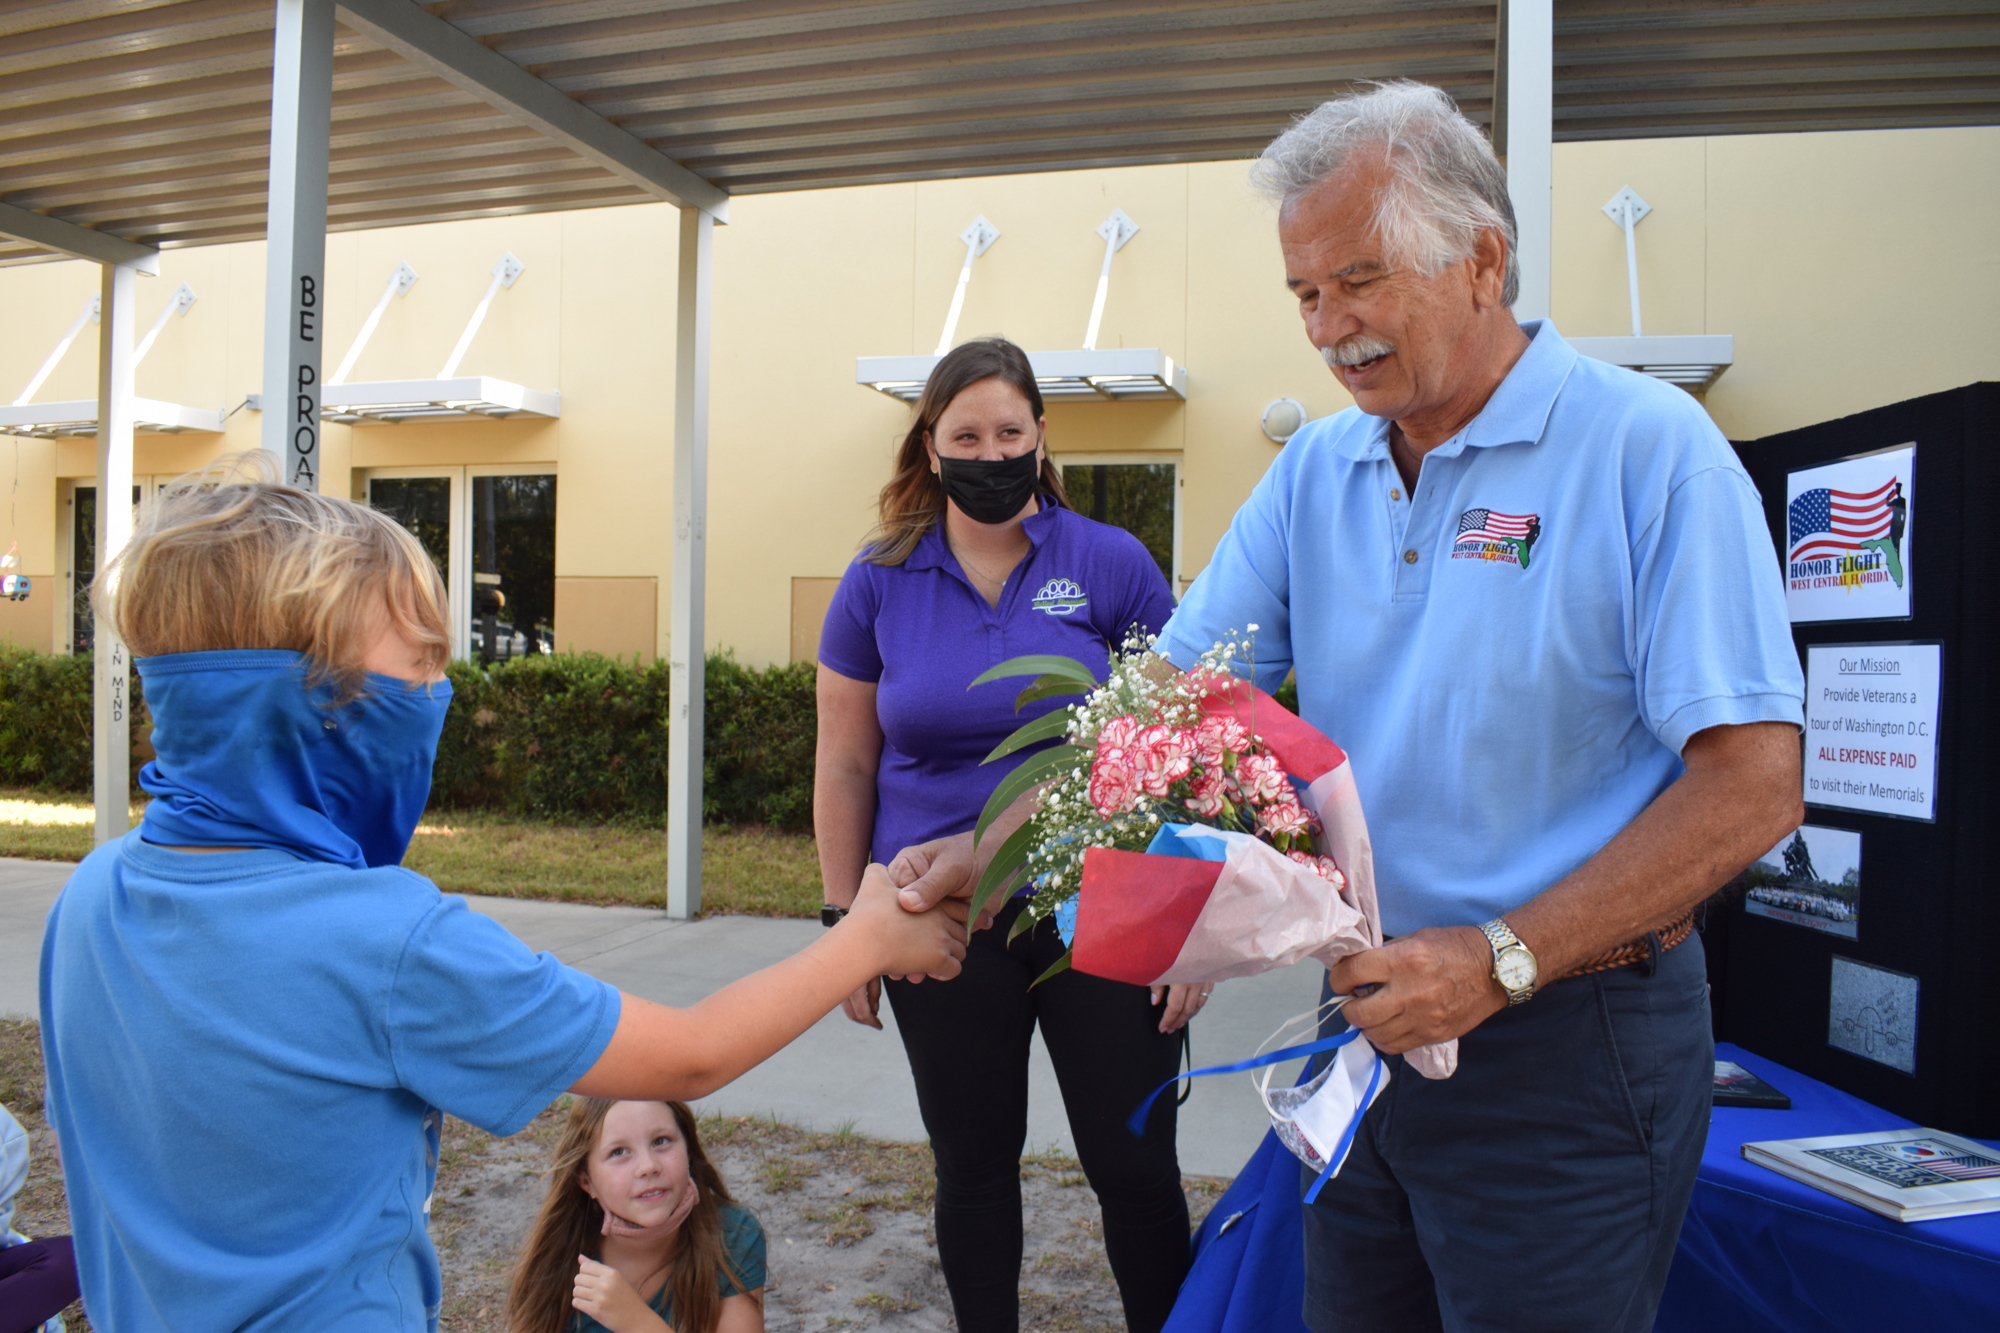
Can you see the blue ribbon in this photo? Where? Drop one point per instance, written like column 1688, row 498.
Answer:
column 1137, row 1124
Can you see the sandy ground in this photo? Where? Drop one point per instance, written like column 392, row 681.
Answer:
column 848, row 1220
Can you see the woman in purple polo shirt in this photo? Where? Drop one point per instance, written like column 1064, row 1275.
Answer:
column 977, row 560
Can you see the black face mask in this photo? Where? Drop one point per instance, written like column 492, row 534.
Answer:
column 990, row 492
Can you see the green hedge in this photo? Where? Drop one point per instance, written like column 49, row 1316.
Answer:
column 575, row 736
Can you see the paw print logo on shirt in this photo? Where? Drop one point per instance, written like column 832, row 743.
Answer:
column 1061, row 597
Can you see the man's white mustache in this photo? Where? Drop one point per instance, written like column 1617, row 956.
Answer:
column 1353, row 350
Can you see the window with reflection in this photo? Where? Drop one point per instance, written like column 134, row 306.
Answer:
column 1138, row 497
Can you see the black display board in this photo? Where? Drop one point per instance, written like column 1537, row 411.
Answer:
column 1929, row 896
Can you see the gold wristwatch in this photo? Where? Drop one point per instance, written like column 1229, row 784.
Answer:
column 1513, row 965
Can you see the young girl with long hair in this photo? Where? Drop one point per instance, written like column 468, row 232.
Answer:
column 638, row 1234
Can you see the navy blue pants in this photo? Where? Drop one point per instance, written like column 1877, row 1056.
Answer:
column 1541, row 1186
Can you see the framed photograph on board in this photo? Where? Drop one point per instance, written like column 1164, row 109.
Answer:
column 1847, row 537
column 1811, row 879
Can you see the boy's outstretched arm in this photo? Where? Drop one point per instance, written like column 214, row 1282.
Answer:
column 682, row 1054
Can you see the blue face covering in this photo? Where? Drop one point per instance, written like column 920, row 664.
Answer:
column 251, row 755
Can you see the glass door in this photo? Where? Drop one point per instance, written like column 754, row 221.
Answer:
column 513, row 564
column 83, row 559
column 492, row 533
column 1136, row 493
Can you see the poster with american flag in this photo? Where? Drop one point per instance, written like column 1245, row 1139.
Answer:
column 1847, row 537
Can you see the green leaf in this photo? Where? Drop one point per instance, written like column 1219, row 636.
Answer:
column 1033, row 772
column 1057, row 968
column 1005, row 867
column 1022, row 925
column 1039, row 664
column 1049, row 687
column 1047, row 727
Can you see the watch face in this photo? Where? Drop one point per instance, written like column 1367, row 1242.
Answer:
column 1516, row 968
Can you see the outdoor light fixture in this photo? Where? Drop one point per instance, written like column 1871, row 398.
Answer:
column 1282, row 419
column 1115, row 374
column 1693, row 361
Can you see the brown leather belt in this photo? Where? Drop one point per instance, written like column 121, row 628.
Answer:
column 1646, row 949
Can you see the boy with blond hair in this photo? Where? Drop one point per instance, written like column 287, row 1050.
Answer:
column 253, row 1018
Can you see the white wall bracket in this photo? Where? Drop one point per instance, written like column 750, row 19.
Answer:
column 504, row 273
column 179, row 303
column 979, row 235
column 1625, row 209
column 1116, row 230
column 89, row 316
column 400, row 281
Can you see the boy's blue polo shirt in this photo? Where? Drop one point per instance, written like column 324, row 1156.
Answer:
column 246, row 1056
column 1513, row 656
column 922, row 633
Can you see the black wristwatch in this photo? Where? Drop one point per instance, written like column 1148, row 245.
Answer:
column 829, row 915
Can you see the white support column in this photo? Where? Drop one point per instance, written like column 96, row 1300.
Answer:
column 687, row 650
column 110, row 715
column 1528, row 86
column 295, row 260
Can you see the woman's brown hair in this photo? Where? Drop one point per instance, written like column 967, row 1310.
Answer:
column 913, row 501
column 572, row 1223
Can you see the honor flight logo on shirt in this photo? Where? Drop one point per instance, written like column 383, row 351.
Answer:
column 1059, row 597
column 1488, row 534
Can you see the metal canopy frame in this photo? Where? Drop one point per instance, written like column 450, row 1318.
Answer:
column 77, row 417
column 1123, row 374
column 447, row 396
column 1693, row 361
column 129, row 126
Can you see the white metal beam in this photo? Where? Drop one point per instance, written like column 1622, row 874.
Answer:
column 421, row 37
column 110, row 712
column 295, row 240
column 1527, row 49
column 68, row 238
column 695, row 293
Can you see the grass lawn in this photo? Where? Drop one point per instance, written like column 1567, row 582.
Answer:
column 745, row 871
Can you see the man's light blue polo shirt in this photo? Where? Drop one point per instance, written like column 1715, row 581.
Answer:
column 1514, row 655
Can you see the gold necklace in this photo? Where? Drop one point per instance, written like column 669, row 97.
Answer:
column 959, row 555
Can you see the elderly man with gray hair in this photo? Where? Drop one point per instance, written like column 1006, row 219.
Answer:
column 1534, row 597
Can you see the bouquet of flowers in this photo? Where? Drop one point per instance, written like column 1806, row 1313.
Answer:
column 1189, row 828
column 1172, row 766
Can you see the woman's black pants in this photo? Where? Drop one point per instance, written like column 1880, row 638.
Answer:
column 967, row 1040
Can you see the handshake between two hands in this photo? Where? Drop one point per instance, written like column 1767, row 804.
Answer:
column 935, row 880
column 1429, row 986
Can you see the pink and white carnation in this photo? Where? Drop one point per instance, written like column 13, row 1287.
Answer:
column 1217, row 738
column 1322, row 866
column 1205, row 794
column 1260, row 779
column 1164, row 756
column 1114, row 788
column 1286, row 819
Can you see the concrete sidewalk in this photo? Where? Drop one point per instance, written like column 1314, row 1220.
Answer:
column 837, row 1072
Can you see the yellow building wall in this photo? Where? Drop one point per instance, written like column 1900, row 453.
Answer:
column 807, row 282
column 1853, row 269
column 591, row 315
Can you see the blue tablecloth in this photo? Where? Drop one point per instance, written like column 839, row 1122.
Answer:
column 1760, row 1253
